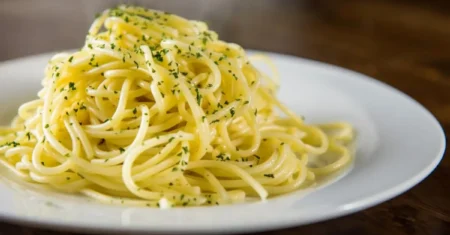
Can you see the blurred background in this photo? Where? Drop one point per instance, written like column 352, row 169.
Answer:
column 353, row 33
column 405, row 43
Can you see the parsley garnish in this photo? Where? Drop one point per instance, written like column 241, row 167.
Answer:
column 158, row 56
column 269, row 175
column 13, row 143
column 72, row 86
column 199, row 97
column 232, row 112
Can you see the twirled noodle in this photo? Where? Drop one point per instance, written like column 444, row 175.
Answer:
column 155, row 110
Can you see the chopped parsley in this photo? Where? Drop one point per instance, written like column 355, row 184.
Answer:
column 232, row 112
column 158, row 56
column 13, row 143
column 198, row 96
column 121, row 150
column 134, row 111
column 70, row 59
column 185, row 149
column 72, row 86
column 269, row 175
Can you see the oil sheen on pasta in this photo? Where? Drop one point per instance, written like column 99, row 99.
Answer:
column 155, row 110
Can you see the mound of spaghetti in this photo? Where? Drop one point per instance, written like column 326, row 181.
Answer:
column 155, row 110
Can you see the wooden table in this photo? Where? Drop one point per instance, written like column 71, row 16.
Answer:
column 403, row 43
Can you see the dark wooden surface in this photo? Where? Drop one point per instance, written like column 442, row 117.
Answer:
column 403, row 43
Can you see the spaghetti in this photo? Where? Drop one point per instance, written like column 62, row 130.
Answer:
column 155, row 110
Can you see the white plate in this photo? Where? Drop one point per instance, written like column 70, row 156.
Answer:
column 399, row 143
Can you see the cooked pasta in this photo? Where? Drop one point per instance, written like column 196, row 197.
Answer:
column 155, row 110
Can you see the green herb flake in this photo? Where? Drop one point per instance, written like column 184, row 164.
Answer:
column 198, row 96
column 72, row 86
column 232, row 112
